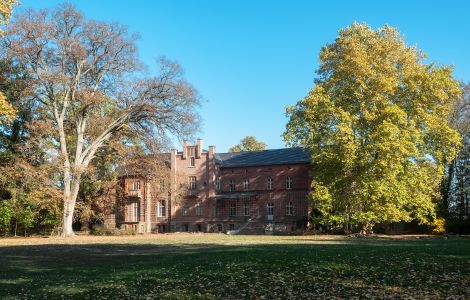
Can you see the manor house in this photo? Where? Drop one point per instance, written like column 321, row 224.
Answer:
column 245, row 192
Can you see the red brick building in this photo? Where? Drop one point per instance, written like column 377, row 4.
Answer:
column 250, row 192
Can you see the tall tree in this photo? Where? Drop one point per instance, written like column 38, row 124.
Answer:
column 248, row 143
column 7, row 113
column 459, row 119
column 85, row 81
column 376, row 125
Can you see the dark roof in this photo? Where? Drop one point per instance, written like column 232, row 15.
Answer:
column 263, row 158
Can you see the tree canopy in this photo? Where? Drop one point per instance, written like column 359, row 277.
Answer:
column 7, row 112
column 86, row 82
column 248, row 143
column 376, row 123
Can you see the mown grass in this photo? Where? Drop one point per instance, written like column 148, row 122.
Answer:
column 215, row 266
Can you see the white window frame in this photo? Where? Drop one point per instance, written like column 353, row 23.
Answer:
column 135, row 212
column 270, row 208
column 192, row 183
column 198, row 208
column 192, row 162
column 246, row 185
column 269, row 183
column 231, row 185
column 232, row 209
column 288, row 183
column 290, row 208
column 185, row 211
column 246, row 209
column 136, row 185
column 161, row 208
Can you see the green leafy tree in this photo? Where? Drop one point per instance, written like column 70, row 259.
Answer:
column 6, row 216
column 376, row 124
column 248, row 143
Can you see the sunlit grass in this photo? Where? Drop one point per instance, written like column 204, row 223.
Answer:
column 216, row 266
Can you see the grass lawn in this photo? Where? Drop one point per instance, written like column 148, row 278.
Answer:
column 214, row 266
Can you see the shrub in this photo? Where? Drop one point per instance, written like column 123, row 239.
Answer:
column 439, row 226
column 103, row 231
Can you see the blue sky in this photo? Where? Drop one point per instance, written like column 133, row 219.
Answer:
column 249, row 59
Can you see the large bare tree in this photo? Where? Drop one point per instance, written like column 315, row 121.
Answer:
column 86, row 79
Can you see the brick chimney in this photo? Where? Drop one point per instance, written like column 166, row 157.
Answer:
column 211, row 151
column 185, row 149
column 199, row 148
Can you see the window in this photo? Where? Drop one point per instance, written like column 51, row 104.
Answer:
column 135, row 212
column 135, row 185
column 289, row 208
column 191, row 151
column 232, row 185
column 186, row 227
column 162, row 208
column 232, row 209
column 231, row 226
column 269, row 184
column 185, row 211
column 246, row 185
column 270, row 207
column 217, row 183
column 246, row 209
column 198, row 209
column 288, row 183
column 219, row 227
column 192, row 182
column 192, row 162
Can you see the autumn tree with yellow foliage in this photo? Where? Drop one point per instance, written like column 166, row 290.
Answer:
column 376, row 125
column 7, row 113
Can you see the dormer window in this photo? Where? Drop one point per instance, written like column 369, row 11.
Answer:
column 246, row 185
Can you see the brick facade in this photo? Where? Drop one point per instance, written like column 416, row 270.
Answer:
column 248, row 192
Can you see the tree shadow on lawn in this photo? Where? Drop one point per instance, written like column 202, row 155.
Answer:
column 371, row 268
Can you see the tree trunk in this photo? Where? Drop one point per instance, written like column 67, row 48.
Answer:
column 71, row 188
column 446, row 184
column 69, row 206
